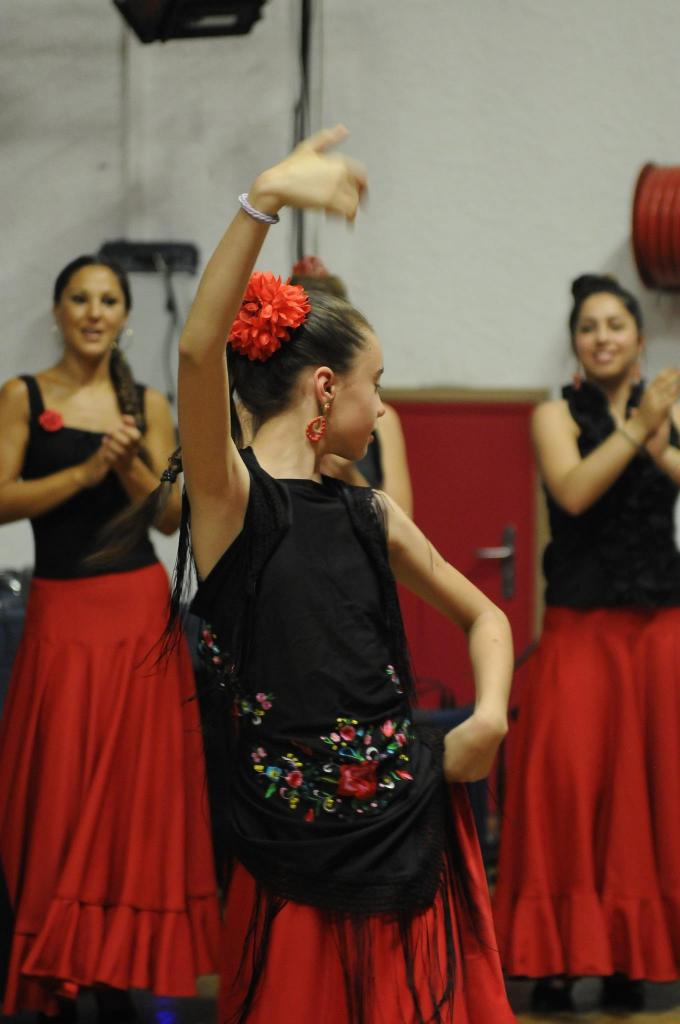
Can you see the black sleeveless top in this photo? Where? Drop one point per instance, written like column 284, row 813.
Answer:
column 335, row 798
column 65, row 535
column 621, row 551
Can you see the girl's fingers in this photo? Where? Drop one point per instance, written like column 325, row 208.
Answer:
column 126, row 435
column 357, row 172
column 326, row 138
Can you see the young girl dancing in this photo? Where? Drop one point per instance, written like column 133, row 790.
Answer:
column 355, row 890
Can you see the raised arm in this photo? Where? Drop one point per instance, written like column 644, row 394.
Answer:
column 470, row 748
column 216, row 479
column 21, row 499
column 575, row 482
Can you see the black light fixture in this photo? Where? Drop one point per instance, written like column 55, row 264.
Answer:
column 152, row 257
column 154, row 20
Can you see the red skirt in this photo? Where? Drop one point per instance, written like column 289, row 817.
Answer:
column 303, row 981
column 589, row 874
column 104, row 828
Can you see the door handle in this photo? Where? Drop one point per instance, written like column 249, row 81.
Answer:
column 505, row 554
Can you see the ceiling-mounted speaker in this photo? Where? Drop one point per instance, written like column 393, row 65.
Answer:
column 154, row 20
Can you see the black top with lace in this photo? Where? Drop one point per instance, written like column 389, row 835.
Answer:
column 67, row 534
column 336, row 800
column 621, row 551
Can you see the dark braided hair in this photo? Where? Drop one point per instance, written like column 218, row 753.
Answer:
column 594, row 284
column 127, row 395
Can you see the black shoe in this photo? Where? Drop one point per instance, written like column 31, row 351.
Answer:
column 115, row 1006
column 550, row 995
column 67, row 1013
column 620, row 993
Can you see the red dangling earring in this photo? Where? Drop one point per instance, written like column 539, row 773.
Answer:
column 637, row 374
column 316, row 428
column 577, row 379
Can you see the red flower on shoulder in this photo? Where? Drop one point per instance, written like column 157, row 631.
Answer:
column 50, row 420
column 270, row 310
column 357, row 780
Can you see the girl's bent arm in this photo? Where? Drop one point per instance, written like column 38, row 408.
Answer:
column 470, row 748
column 21, row 499
column 576, row 482
column 216, row 479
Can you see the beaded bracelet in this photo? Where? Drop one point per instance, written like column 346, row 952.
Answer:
column 265, row 218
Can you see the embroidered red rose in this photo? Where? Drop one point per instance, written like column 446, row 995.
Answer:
column 357, row 780
column 50, row 420
column 348, row 732
column 269, row 311
column 294, row 778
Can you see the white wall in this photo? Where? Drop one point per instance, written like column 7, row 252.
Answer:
column 503, row 139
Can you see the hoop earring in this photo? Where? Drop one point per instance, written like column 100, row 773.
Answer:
column 123, row 337
column 316, row 428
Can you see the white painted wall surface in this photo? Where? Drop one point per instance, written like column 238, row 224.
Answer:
column 502, row 137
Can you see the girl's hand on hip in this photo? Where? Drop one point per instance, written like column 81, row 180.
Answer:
column 470, row 749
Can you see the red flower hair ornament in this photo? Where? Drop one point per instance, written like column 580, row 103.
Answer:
column 270, row 310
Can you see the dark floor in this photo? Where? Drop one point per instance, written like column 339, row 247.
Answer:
column 663, row 1007
column 662, row 1004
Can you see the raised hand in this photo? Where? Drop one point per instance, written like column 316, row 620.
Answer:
column 116, row 452
column 122, row 444
column 313, row 178
column 658, row 443
column 94, row 469
column 658, row 400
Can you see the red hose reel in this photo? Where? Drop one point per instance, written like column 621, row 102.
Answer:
column 656, row 226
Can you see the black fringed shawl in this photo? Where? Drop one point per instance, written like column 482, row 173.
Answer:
column 351, row 814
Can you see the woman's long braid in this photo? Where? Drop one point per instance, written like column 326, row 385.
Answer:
column 119, row 537
column 127, row 394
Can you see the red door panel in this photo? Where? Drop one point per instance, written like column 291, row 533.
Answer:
column 473, row 475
